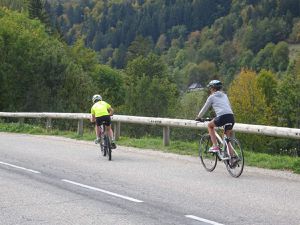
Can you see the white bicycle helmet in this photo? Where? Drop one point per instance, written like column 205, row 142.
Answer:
column 215, row 84
column 96, row 98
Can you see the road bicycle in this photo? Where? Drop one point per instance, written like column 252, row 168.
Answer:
column 105, row 145
column 234, row 162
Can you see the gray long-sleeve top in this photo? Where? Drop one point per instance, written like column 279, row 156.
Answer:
column 220, row 103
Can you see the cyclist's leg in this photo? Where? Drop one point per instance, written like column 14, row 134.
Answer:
column 229, row 120
column 211, row 130
column 228, row 134
column 111, row 136
column 97, row 129
column 109, row 131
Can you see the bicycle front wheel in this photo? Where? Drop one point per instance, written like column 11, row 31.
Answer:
column 208, row 159
column 102, row 147
column 235, row 165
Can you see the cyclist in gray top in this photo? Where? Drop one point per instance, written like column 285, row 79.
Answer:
column 224, row 114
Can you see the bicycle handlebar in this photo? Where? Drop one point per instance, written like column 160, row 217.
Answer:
column 203, row 119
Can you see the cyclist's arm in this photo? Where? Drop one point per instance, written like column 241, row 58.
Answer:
column 93, row 118
column 205, row 107
column 111, row 111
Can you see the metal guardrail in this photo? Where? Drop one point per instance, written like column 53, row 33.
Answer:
column 166, row 123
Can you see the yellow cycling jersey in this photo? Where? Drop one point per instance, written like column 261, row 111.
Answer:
column 100, row 109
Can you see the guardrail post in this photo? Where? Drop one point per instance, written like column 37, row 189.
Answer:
column 117, row 130
column 49, row 123
column 80, row 127
column 166, row 136
column 21, row 120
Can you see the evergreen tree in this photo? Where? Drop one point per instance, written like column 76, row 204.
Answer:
column 36, row 10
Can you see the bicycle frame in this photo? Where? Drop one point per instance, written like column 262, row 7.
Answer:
column 224, row 146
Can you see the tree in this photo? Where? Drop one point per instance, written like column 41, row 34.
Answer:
column 38, row 72
column 228, row 53
column 260, row 32
column 36, row 11
column 161, row 44
column 139, row 47
column 281, row 56
column 288, row 106
column 201, row 73
column 180, row 59
column 291, row 6
column 288, row 98
column 249, row 106
column 86, row 57
column 178, row 32
column 110, row 84
column 295, row 34
column 191, row 103
column 267, row 82
column 245, row 59
column 119, row 57
column 59, row 10
column 247, row 99
column 151, row 97
column 272, row 57
column 170, row 54
column 264, row 58
column 19, row 5
column 209, row 51
column 149, row 91
column 151, row 66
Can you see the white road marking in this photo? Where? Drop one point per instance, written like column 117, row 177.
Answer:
column 203, row 220
column 103, row 191
column 19, row 167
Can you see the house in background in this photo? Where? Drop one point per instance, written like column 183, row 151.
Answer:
column 195, row 87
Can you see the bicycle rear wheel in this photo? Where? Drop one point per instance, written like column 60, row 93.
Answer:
column 235, row 166
column 108, row 148
column 208, row 159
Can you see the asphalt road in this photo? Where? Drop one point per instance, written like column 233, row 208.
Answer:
column 53, row 180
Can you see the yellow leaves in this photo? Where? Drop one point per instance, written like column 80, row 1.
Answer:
column 247, row 99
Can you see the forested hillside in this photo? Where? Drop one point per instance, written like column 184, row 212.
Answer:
column 38, row 72
column 142, row 55
column 219, row 37
column 196, row 40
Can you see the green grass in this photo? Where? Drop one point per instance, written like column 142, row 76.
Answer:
column 261, row 160
column 178, row 147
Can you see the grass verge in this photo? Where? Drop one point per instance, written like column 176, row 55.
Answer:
column 178, row 147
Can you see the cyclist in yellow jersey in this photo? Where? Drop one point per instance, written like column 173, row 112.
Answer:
column 101, row 112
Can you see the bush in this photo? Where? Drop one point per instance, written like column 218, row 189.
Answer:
column 296, row 166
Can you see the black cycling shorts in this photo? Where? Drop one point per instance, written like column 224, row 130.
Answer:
column 224, row 119
column 106, row 120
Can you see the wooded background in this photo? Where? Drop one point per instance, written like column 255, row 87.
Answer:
column 142, row 55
